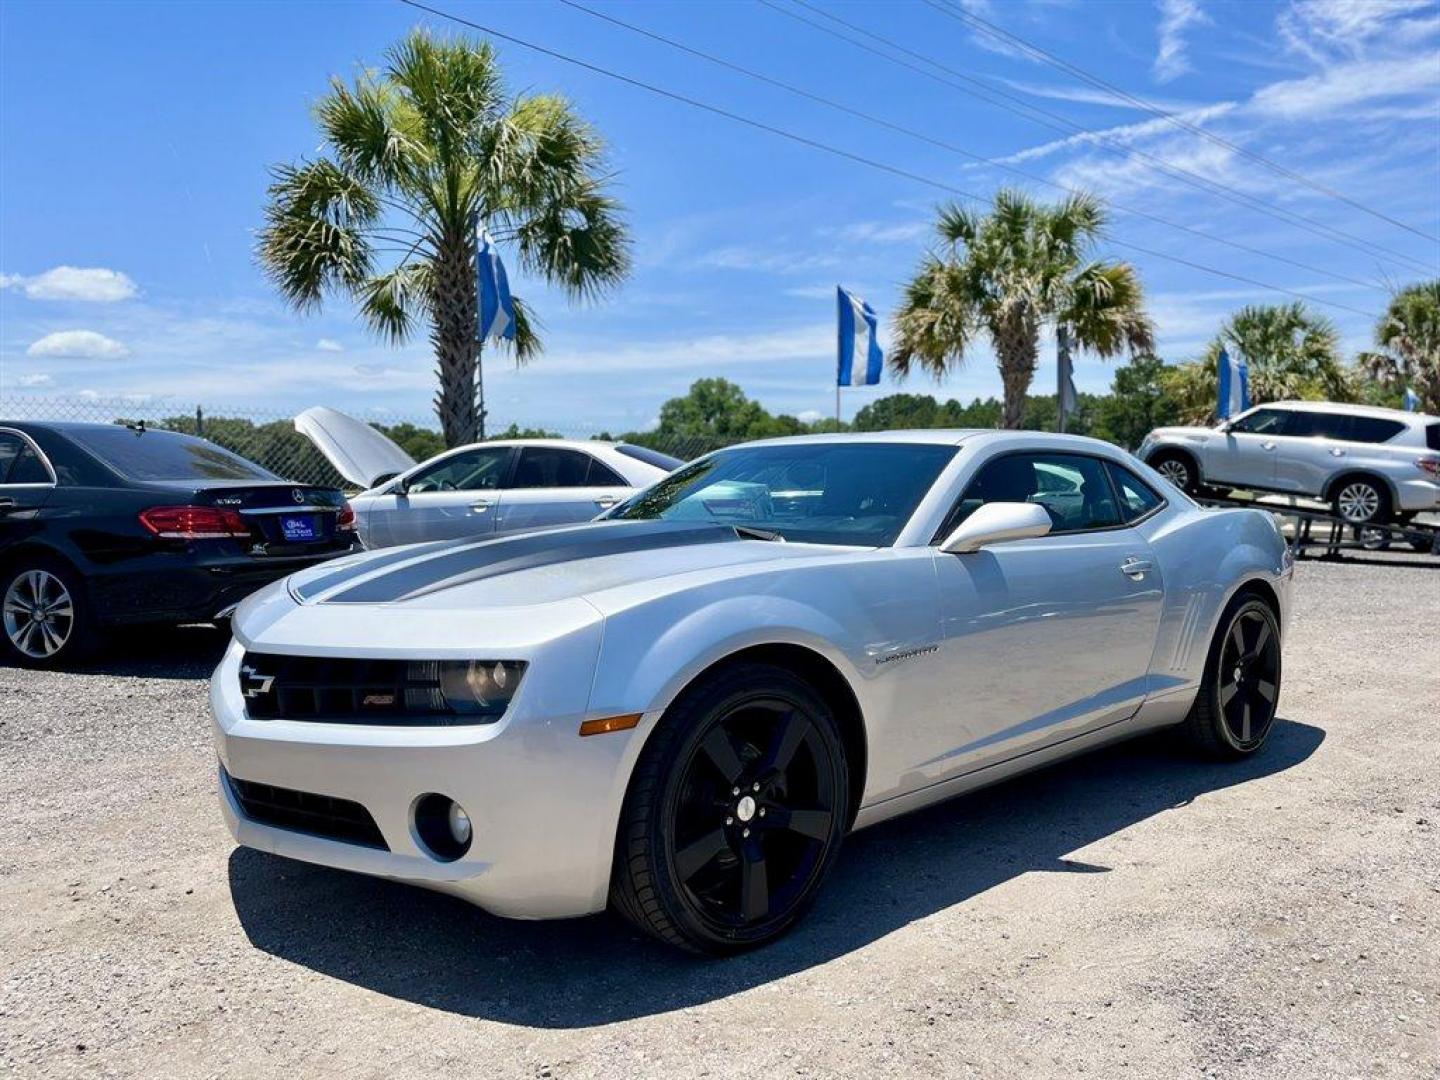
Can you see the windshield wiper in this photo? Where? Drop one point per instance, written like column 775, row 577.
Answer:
column 746, row 532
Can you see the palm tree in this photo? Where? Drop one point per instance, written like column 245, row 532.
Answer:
column 1409, row 339
column 1290, row 352
column 415, row 156
column 1009, row 274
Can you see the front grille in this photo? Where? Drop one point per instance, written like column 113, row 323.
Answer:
column 344, row 690
column 300, row 811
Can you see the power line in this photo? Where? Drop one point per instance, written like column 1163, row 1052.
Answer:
column 836, row 151
column 999, row 33
column 951, row 147
column 1057, row 122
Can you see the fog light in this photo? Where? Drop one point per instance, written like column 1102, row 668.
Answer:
column 459, row 824
column 442, row 827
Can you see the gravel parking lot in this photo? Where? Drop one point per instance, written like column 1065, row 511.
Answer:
column 1134, row 913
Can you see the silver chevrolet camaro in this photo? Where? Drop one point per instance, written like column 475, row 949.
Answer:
column 680, row 710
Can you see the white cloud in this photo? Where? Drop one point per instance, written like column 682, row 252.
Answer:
column 882, row 232
column 89, row 395
column 85, row 284
column 1176, row 16
column 1347, row 84
column 810, row 416
column 32, row 381
column 326, row 344
column 78, row 345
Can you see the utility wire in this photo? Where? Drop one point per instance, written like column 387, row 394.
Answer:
column 951, row 147
column 1057, row 122
column 836, row 151
column 999, row 33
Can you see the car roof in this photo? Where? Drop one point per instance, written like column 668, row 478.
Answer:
column 1376, row 411
column 943, row 436
column 952, row 437
column 573, row 444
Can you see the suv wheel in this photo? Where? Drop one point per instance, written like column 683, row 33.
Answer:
column 1360, row 501
column 1178, row 469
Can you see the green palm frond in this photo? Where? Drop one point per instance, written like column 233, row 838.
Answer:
column 390, row 302
column 1006, row 274
column 374, row 131
column 314, row 234
column 416, row 151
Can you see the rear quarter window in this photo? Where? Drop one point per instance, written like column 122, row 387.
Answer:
column 1372, row 429
column 1432, row 436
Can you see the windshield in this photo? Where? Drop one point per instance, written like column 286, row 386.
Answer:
column 164, row 455
column 859, row 493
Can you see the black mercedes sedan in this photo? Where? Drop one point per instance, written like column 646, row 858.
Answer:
column 108, row 525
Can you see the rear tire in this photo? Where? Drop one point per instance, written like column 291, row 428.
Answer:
column 1179, row 469
column 1361, row 501
column 735, row 813
column 45, row 616
column 1235, row 709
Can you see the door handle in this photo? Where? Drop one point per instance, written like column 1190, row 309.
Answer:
column 481, row 505
column 1267, row 445
column 7, row 503
column 606, row 501
column 1335, row 451
column 1136, row 568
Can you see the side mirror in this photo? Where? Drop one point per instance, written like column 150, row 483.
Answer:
column 995, row 523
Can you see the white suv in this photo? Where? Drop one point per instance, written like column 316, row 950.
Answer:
column 1370, row 464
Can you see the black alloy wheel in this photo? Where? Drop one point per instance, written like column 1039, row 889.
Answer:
column 1235, row 708
column 735, row 813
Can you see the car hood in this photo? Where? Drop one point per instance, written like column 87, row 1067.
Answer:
column 359, row 453
column 1182, row 434
column 536, row 568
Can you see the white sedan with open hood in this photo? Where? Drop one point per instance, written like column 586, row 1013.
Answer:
column 681, row 710
column 484, row 489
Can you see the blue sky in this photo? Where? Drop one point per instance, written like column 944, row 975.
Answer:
column 135, row 141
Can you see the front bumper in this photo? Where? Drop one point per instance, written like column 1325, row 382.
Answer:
column 543, row 802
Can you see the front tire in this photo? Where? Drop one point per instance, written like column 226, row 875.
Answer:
column 45, row 618
column 735, row 813
column 1235, row 708
column 1179, row 469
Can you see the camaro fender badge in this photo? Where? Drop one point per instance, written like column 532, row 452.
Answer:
column 906, row 654
column 253, row 684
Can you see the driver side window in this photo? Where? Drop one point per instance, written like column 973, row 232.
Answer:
column 481, row 469
column 1072, row 488
column 1262, row 422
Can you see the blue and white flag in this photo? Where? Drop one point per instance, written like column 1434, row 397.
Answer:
column 497, row 309
column 1234, row 386
column 860, row 356
column 1412, row 400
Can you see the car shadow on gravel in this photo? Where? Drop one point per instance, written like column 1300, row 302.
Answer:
column 156, row 652
column 443, row 953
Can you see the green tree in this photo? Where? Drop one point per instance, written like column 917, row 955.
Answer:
column 415, row 155
column 1408, row 336
column 1138, row 403
column 714, row 408
column 420, row 443
column 1006, row 276
column 1291, row 353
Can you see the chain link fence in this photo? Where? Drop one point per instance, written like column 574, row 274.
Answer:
column 269, row 438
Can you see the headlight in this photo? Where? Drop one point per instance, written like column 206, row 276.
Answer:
column 480, row 688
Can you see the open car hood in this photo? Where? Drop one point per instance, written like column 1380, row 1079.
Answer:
column 359, row 453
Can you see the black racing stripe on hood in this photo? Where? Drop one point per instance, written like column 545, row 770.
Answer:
column 526, row 552
column 374, row 560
